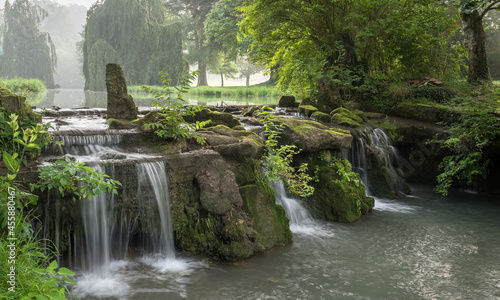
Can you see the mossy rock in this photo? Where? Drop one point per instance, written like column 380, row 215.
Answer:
column 307, row 110
column 345, row 117
column 311, row 136
column 287, row 101
column 217, row 118
column 120, row 124
column 16, row 104
column 335, row 199
column 425, row 113
column 321, row 117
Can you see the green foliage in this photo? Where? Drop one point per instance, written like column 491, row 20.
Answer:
column 76, row 177
column 24, row 136
column 23, row 86
column 434, row 93
column 27, row 52
column 278, row 159
column 477, row 129
column 171, row 124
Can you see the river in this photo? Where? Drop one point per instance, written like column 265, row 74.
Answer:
column 423, row 247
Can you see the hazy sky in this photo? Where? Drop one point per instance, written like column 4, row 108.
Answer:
column 86, row 3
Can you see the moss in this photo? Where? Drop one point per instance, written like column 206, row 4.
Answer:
column 120, row 124
column 347, row 118
column 307, row 110
column 321, row 116
column 335, row 199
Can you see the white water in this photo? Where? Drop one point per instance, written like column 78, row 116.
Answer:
column 301, row 221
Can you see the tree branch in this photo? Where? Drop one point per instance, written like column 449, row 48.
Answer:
column 489, row 7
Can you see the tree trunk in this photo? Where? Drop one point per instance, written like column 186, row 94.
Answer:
column 472, row 24
column 248, row 80
column 221, row 80
column 202, row 77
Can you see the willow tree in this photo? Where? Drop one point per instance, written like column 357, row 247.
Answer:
column 135, row 34
column 27, row 52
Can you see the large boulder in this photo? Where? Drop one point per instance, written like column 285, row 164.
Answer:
column 328, row 95
column 425, row 113
column 311, row 136
column 120, row 104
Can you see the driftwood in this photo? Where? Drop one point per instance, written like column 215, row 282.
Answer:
column 421, row 82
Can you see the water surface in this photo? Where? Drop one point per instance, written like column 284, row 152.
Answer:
column 424, row 247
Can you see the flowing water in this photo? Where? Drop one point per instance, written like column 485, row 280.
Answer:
column 422, row 247
column 425, row 247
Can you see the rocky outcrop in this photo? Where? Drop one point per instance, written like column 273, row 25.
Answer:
column 424, row 113
column 120, row 104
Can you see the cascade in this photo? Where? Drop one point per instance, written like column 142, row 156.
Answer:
column 377, row 162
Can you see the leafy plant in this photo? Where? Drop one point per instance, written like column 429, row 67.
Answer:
column 76, row 177
column 278, row 159
column 171, row 123
column 477, row 129
column 392, row 131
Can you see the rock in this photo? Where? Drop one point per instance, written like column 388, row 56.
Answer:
column 250, row 111
column 311, row 136
column 111, row 155
column 234, row 144
column 218, row 118
column 321, row 117
column 218, row 189
column 120, row 124
column 307, row 110
column 328, row 95
column 346, row 118
column 120, row 104
column 425, row 113
column 13, row 104
column 287, row 101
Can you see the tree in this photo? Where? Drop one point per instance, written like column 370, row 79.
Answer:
column 247, row 68
column 221, row 65
column 472, row 13
column 27, row 52
column 135, row 34
column 223, row 30
column 198, row 51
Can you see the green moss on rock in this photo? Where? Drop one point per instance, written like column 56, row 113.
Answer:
column 347, row 118
column 307, row 110
column 321, row 116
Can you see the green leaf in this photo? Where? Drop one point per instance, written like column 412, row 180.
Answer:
column 66, row 272
column 10, row 163
column 53, row 265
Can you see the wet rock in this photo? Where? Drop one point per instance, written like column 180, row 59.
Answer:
column 120, row 104
column 120, row 124
column 217, row 118
column 111, row 155
column 347, row 118
column 287, row 101
column 425, row 113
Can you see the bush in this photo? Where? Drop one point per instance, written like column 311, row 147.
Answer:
column 434, row 93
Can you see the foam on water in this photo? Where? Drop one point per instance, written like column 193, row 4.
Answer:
column 92, row 286
column 382, row 204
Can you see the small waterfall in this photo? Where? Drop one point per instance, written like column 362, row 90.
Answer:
column 85, row 144
column 153, row 185
column 382, row 155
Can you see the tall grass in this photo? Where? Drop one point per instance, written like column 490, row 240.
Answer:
column 230, row 91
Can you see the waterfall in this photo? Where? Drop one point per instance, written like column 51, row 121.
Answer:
column 153, row 185
column 383, row 156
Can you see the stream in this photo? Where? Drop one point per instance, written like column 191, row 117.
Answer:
column 424, row 247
